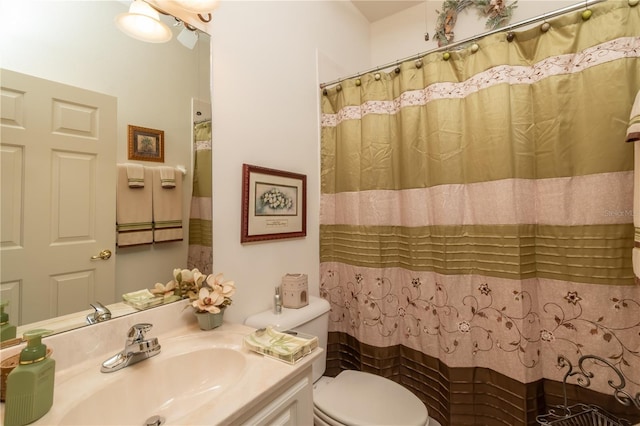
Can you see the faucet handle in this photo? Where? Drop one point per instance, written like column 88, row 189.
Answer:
column 137, row 332
column 100, row 313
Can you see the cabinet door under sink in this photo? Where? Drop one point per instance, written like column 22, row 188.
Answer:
column 290, row 405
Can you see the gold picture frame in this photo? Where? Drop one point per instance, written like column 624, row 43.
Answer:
column 146, row 144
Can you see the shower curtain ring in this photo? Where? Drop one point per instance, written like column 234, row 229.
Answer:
column 545, row 25
column 397, row 69
column 586, row 13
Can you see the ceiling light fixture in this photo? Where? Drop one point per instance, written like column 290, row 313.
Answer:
column 142, row 22
column 198, row 6
column 188, row 37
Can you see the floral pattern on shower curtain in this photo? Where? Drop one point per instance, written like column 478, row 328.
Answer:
column 200, row 236
column 476, row 218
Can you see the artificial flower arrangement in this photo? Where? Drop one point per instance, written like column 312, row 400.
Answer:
column 207, row 293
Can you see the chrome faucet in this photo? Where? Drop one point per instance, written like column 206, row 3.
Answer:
column 102, row 313
column 136, row 349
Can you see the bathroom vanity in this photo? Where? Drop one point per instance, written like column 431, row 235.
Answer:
column 199, row 377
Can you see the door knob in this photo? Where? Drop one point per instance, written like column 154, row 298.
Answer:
column 104, row 255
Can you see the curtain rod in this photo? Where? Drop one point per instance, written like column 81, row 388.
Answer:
column 522, row 23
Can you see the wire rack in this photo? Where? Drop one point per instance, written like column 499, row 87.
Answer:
column 580, row 415
column 583, row 414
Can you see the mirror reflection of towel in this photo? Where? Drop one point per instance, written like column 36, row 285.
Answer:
column 135, row 175
column 167, row 209
column 168, row 177
column 134, row 213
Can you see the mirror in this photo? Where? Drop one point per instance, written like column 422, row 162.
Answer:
column 157, row 86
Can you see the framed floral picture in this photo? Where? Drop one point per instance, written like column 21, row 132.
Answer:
column 146, row 144
column 274, row 204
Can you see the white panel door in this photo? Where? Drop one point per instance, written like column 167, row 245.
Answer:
column 58, row 156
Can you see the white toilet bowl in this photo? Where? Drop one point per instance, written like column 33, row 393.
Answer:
column 352, row 397
column 357, row 398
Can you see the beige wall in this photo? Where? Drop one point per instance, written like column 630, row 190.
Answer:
column 265, row 113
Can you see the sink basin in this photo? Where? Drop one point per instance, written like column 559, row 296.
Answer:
column 198, row 378
column 186, row 374
column 169, row 386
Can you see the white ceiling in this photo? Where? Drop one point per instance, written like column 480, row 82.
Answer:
column 374, row 10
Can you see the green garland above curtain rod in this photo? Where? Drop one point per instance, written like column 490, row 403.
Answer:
column 586, row 15
column 497, row 10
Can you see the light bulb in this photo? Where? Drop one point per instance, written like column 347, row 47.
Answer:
column 198, row 6
column 142, row 22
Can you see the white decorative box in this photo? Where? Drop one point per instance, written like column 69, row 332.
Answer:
column 295, row 291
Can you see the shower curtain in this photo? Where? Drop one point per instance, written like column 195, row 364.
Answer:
column 200, row 236
column 477, row 219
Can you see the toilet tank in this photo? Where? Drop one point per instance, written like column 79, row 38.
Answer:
column 311, row 319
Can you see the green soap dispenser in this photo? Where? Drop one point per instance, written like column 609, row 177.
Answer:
column 30, row 384
column 7, row 331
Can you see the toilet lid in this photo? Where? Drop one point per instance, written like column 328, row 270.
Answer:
column 357, row 398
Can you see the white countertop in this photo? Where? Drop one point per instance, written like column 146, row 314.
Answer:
column 79, row 378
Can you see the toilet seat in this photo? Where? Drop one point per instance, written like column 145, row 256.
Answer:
column 358, row 398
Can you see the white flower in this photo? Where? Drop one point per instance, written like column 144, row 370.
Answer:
column 547, row 336
column 464, row 326
column 164, row 289
column 209, row 293
column 207, row 301
column 187, row 282
column 198, row 277
column 218, row 284
column 276, row 199
column 187, row 275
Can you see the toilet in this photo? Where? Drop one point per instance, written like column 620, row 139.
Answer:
column 352, row 397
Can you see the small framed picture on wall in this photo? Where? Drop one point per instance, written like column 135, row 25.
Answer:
column 274, row 204
column 146, row 144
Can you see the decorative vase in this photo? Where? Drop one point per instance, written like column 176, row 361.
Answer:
column 209, row 321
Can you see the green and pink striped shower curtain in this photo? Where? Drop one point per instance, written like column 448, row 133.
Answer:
column 200, row 236
column 476, row 218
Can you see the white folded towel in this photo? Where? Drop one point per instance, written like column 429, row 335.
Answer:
column 134, row 214
column 168, row 177
column 633, row 132
column 135, row 175
column 167, row 210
